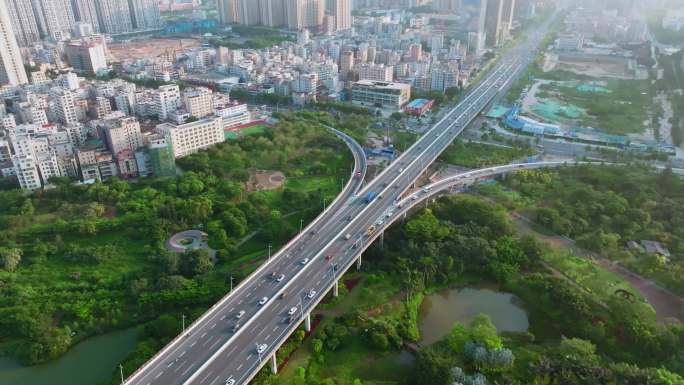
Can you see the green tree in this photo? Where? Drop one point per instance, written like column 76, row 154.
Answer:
column 10, row 258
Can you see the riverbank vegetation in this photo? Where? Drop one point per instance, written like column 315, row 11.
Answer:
column 81, row 260
column 579, row 333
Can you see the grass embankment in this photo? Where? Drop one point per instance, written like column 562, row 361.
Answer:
column 476, row 155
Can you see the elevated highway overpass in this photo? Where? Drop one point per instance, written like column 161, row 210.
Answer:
column 241, row 333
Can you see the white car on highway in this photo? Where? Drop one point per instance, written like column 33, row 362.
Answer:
column 261, row 348
column 304, row 261
column 280, row 278
column 311, row 294
column 292, row 310
column 263, row 301
column 240, row 314
column 230, row 381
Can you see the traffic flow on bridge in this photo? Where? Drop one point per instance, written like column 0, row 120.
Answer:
column 231, row 342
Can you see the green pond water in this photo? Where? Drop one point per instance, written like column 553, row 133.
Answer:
column 87, row 363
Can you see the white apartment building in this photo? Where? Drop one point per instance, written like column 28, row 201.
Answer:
column 114, row 16
column 27, row 172
column 189, row 138
column 342, row 13
column 376, row 72
column 122, row 134
column 54, row 17
column 87, row 56
column 199, row 103
column 12, row 70
column 443, row 77
column 23, row 22
column 234, row 115
column 64, row 106
column 166, row 99
column 145, row 14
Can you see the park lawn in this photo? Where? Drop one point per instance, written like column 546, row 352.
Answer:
column 314, row 183
column 592, row 277
column 475, row 155
column 355, row 360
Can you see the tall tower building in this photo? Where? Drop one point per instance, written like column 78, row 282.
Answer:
column 145, row 13
column 55, row 17
column 114, row 16
column 228, row 11
column 85, row 11
column 11, row 66
column 507, row 15
column 23, row 21
column 304, row 13
column 272, row 12
column 342, row 13
column 493, row 25
column 249, row 12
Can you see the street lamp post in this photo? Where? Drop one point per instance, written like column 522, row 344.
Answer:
column 121, row 371
column 301, row 224
column 231, row 283
column 183, row 321
column 269, row 251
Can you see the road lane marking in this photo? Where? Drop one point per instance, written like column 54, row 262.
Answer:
column 180, row 366
column 214, row 344
column 186, row 370
column 208, row 340
column 193, row 343
column 203, row 334
column 205, row 377
column 158, row 375
column 239, row 367
column 249, row 356
column 182, row 354
column 213, row 326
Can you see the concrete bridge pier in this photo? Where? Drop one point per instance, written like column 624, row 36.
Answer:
column 336, row 289
column 274, row 364
column 307, row 322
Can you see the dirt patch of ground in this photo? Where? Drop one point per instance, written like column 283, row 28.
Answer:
column 147, row 48
column 590, row 65
column 261, row 180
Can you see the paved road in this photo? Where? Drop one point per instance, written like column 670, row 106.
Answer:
column 211, row 353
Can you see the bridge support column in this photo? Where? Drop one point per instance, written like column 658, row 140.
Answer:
column 274, row 364
column 382, row 240
column 358, row 263
column 336, row 289
column 307, row 322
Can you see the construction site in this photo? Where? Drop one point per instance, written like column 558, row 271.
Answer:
column 148, row 48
